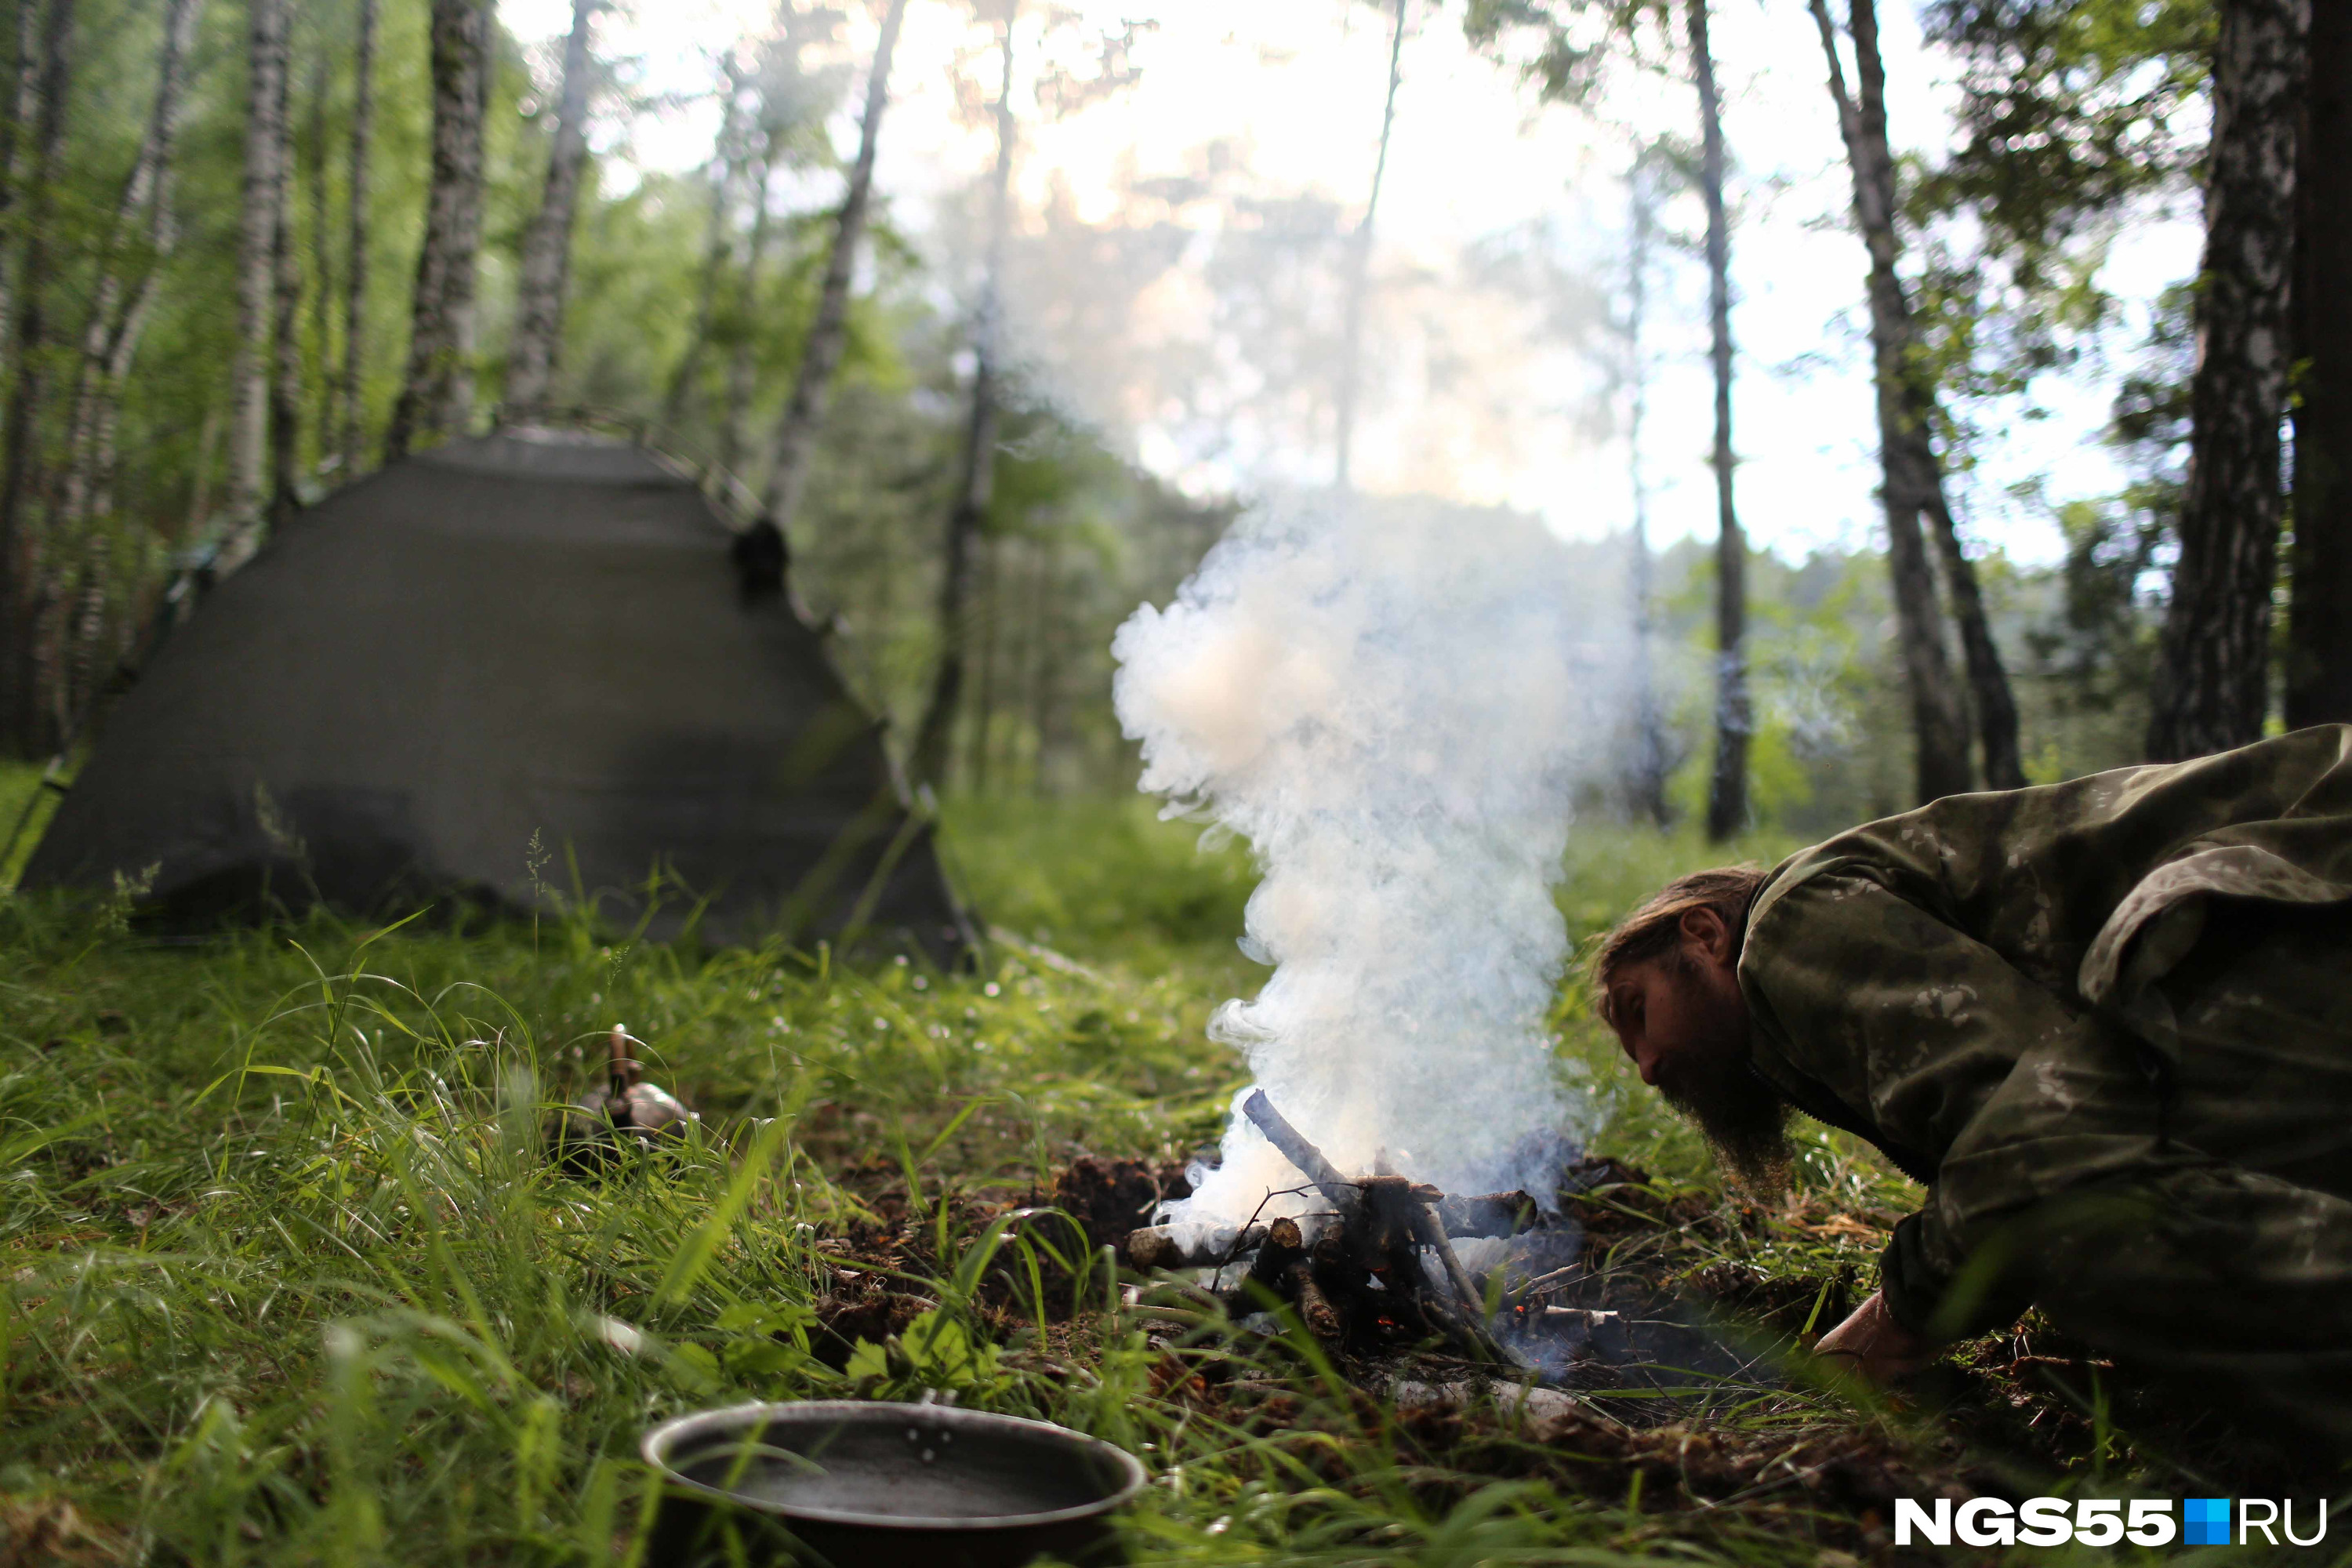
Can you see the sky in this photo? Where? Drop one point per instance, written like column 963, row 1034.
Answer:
column 1467, row 394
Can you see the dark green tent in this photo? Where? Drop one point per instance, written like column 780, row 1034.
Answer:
column 523, row 663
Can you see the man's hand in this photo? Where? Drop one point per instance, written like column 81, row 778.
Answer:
column 1875, row 1346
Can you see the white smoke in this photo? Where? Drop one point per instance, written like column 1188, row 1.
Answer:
column 1391, row 701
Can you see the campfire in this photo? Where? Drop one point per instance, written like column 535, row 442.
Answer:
column 1377, row 1265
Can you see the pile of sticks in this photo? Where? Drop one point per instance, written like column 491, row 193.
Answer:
column 1380, row 1266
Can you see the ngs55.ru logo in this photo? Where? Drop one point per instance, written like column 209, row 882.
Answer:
column 2108, row 1521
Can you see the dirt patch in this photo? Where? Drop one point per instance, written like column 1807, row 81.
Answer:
column 1113, row 1197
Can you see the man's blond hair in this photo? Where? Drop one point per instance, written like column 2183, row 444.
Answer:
column 1655, row 929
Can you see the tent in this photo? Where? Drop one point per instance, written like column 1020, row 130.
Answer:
column 513, row 670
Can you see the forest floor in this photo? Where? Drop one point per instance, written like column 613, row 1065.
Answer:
column 289, row 1277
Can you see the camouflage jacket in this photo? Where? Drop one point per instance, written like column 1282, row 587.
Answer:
column 1946, row 983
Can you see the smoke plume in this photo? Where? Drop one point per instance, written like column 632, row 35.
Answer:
column 1391, row 701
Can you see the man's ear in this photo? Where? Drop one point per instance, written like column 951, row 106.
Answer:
column 1704, row 929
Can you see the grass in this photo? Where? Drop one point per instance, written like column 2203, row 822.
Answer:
column 288, row 1279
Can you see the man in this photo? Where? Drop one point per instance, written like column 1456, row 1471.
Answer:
column 2107, row 1023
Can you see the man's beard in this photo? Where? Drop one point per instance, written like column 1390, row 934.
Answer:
column 1742, row 1119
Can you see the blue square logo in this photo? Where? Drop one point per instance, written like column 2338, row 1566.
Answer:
column 2205, row 1522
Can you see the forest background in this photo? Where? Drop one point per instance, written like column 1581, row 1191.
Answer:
column 253, row 250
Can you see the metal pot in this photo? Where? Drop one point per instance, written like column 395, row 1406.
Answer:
column 863, row 1485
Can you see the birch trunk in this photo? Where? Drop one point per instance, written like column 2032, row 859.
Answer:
column 2213, row 679
column 285, row 329
column 22, row 607
column 119, row 310
column 1646, row 775
column 437, row 392
column 2319, row 651
column 977, row 486
column 264, row 146
column 325, row 419
column 1359, row 263
column 118, row 302
column 980, row 754
column 1910, row 480
column 742, row 373
column 355, row 264
column 547, row 243
column 727, row 157
column 1996, row 705
column 829, row 328
column 1727, row 800
column 458, row 283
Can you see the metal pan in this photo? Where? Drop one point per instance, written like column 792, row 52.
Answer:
column 862, row 1485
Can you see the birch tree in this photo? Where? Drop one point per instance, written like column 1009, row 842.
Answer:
column 355, row 245
column 741, row 369
column 436, row 395
column 319, row 375
column 2212, row 682
column 286, row 329
column 828, row 332
column 139, row 242
column 1726, row 799
column 265, row 184
column 976, row 478
column 1360, row 261
column 547, row 243
column 1645, row 775
column 729, row 157
column 1578, row 40
column 1911, row 478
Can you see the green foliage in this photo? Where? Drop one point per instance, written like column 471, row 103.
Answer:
column 2075, row 117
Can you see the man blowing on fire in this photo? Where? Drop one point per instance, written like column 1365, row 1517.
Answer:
column 2107, row 1023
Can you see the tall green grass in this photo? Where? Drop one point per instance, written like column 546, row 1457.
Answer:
column 288, row 1279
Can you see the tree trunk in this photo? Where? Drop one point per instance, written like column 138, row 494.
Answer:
column 992, row 623
column 264, row 147
column 931, row 753
column 1359, row 263
column 2213, row 678
column 727, row 159
column 1727, row 800
column 547, row 244
column 22, row 607
column 1044, row 688
column 286, row 305
column 2319, row 624
column 119, row 310
column 742, row 378
column 325, row 417
column 24, row 102
column 829, row 328
column 1911, row 477
column 1645, row 782
column 356, row 262
column 437, row 393
column 1996, row 705
column 119, row 303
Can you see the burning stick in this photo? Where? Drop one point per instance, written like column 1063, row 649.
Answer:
column 1383, row 1225
column 1156, row 1247
column 1341, row 1192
